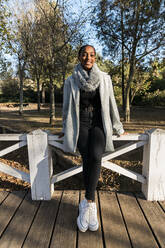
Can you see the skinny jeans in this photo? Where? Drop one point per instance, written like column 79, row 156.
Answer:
column 91, row 145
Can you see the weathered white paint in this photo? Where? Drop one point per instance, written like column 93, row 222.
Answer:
column 67, row 173
column 14, row 172
column 40, row 163
column 12, row 148
column 128, row 173
column 154, row 166
column 130, row 137
column 133, row 136
column 56, row 144
column 41, row 169
column 12, row 137
column 123, row 149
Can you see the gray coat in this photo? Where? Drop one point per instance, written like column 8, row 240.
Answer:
column 109, row 111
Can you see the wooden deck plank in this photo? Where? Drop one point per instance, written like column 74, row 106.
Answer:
column 16, row 231
column 89, row 238
column 65, row 232
column 3, row 195
column 138, row 229
column 114, row 229
column 8, row 208
column 41, row 229
column 162, row 203
column 155, row 217
column 53, row 224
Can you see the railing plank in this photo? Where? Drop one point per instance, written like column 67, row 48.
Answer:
column 133, row 137
column 65, row 174
column 128, row 173
column 12, row 148
column 12, row 137
column 123, row 149
column 56, row 144
column 14, row 172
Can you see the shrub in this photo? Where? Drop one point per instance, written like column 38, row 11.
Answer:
column 10, row 89
column 158, row 84
column 156, row 98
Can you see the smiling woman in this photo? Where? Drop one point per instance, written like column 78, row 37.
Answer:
column 89, row 115
column 87, row 57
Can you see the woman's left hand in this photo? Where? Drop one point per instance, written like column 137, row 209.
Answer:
column 125, row 133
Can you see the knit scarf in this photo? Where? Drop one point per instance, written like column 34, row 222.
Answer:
column 87, row 82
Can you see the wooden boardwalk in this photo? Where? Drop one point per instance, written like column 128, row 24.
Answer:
column 126, row 220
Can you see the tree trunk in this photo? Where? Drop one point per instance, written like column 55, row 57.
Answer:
column 21, row 94
column 38, row 93
column 127, row 109
column 122, row 82
column 131, row 73
column 52, row 103
column 43, row 93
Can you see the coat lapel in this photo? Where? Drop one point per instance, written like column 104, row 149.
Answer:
column 75, row 92
column 104, row 93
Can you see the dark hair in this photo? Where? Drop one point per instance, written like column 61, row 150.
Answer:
column 83, row 47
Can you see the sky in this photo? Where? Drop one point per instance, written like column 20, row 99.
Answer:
column 75, row 6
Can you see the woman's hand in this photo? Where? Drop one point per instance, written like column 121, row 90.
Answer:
column 61, row 135
column 125, row 133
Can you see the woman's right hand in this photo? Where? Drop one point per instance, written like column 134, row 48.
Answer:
column 61, row 135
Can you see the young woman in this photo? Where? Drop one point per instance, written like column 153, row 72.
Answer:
column 89, row 116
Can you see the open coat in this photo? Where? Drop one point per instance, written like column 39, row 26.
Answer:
column 71, row 106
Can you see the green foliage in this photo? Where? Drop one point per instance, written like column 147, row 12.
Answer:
column 10, row 89
column 5, row 34
column 118, row 95
column 156, row 98
column 158, row 84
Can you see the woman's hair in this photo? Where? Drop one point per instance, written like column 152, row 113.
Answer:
column 83, row 47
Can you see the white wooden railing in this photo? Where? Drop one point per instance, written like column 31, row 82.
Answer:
column 41, row 176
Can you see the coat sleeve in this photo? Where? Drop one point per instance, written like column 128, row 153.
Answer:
column 114, row 113
column 66, row 97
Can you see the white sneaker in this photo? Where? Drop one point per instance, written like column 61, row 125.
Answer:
column 93, row 221
column 82, row 204
column 83, row 218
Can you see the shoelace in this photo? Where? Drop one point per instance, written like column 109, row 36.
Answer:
column 93, row 213
column 84, row 211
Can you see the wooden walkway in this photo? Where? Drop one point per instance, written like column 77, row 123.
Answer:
column 126, row 220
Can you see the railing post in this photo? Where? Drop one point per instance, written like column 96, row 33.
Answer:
column 40, row 165
column 154, row 166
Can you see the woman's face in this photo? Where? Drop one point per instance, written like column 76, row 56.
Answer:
column 87, row 58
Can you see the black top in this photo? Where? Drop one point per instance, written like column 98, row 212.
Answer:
column 87, row 100
column 90, row 99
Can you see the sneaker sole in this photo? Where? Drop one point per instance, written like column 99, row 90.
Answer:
column 82, row 229
column 94, row 228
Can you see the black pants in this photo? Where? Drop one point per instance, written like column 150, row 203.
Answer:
column 91, row 145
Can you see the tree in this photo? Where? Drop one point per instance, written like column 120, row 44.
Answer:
column 4, row 28
column 137, row 27
column 57, row 33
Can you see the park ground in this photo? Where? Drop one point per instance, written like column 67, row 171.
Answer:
column 142, row 119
